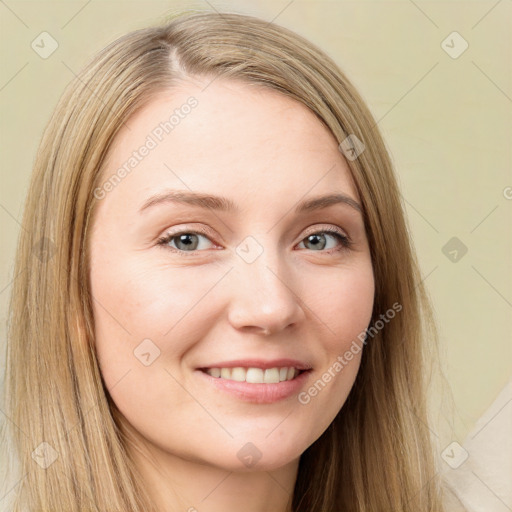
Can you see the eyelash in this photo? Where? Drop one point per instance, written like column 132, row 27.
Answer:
column 346, row 243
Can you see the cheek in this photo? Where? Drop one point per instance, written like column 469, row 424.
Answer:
column 132, row 304
column 145, row 319
column 343, row 303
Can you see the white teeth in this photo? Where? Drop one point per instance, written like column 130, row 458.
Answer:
column 254, row 375
column 238, row 374
column 271, row 375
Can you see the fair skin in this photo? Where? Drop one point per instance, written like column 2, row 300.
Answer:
column 306, row 297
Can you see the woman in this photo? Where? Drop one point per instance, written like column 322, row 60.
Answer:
column 168, row 348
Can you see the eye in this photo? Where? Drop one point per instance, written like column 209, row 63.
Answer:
column 186, row 241
column 318, row 241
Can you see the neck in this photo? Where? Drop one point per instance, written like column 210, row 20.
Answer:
column 176, row 484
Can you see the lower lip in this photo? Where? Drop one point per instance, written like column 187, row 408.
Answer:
column 259, row 393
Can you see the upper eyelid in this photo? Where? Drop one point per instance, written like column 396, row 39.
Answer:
column 326, row 227
column 204, row 231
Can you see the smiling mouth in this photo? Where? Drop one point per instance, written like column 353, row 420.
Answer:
column 253, row 375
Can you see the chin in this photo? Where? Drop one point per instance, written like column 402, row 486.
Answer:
column 264, row 456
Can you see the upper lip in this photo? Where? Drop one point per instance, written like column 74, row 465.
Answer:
column 260, row 363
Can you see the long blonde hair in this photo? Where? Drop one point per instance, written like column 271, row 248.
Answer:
column 376, row 455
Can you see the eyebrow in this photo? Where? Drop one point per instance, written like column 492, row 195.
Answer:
column 226, row 205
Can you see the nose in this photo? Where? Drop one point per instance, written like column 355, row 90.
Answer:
column 264, row 296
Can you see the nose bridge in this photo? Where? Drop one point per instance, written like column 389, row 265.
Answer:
column 263, row 294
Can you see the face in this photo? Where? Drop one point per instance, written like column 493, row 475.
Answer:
column 258, row 288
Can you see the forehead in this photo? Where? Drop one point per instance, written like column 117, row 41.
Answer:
column 231, row 138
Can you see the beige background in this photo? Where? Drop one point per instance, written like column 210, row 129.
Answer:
column 447, row 122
